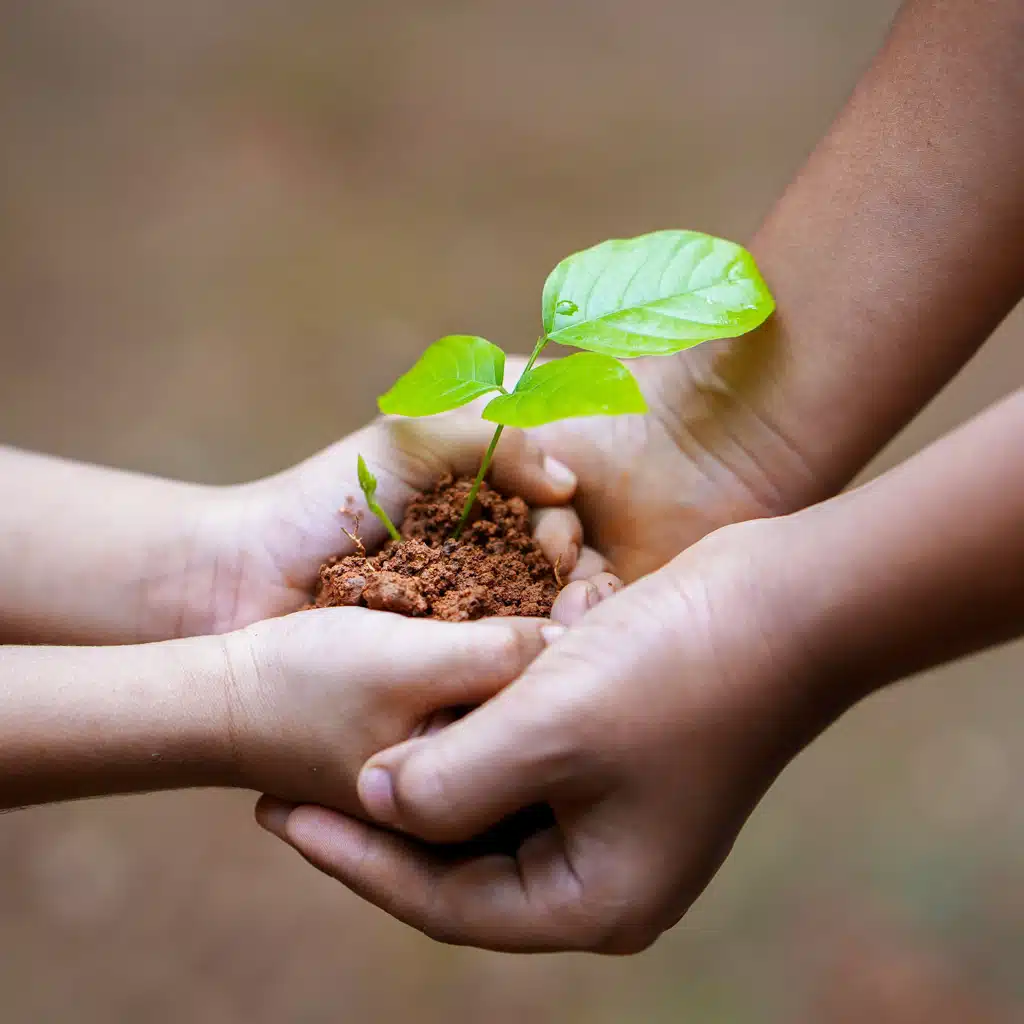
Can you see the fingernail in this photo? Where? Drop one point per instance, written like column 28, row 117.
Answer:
column 558, row 473
column 593, row 596
column 552, row 632
column 273, row 815
column 377, row 794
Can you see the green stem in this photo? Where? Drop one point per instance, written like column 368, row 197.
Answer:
column 385, row 519
column 537, row 349
column 475, row 489
column 489, row 454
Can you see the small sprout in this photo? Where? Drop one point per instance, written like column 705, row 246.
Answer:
column 653, row 295
column 356, row 542
column 368, row 483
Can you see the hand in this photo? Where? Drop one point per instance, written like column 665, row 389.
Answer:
column 646, row 487
column 313, row 695
column 651, row 730
column 264, row 543
column 706, row 455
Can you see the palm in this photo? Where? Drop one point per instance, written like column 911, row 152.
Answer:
column 651, row 486
column 272, row 536
column 648, row 486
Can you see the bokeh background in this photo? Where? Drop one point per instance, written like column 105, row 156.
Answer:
column 224, row 227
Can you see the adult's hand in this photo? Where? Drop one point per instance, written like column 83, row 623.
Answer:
column 892, row 256
column 650, row 730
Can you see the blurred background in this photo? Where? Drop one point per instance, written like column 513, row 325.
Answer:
column 225, row 226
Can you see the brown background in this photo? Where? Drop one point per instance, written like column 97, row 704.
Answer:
column 224, row 227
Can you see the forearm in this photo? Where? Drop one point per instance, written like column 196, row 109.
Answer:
column 80, row 721
column 923, row 565
column 93, row 555
column 897, row 249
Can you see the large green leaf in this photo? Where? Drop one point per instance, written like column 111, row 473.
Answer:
column 654, row 295
column 586, row 384
column 452, row 372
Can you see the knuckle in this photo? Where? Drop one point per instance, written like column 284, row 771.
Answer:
column 515, row 444
column 423, row 796
column 507, row 652
column 624, row 931
column 620, row 921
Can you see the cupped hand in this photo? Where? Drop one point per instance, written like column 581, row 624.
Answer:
column 644, row 487
column 707, row 454
column 650, row 729
column 311, row 696
column 263, row 543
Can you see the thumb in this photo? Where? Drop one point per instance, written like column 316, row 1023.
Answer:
column 449, row 787
column 419, row 450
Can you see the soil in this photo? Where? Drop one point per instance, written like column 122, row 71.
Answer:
column 494, row 568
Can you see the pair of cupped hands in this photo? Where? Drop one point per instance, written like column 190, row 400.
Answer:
column 649, row 717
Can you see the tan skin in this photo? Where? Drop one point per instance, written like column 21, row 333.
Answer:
column 894, row 254
column 654, row 726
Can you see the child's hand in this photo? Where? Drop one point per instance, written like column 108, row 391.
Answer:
column 267, row 540
column 313, row 695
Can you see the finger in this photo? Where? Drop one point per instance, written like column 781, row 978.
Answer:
column 528, row 903
column 272, row 814
column 589, row 564
column 422, row 450
column 464, row 663
column 579, row 597
column 437, row 663
column 437, row 721
column 508, row 754
column 607, row 584
column 521, row 467
column 559, row 533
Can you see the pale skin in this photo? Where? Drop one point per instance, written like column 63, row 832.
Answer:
column 654, row 727
column 121, row 565
column 94, row 555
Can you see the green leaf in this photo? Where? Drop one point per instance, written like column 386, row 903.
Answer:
column 367, row 481
column 452, row 372
column 654, row 295
column 586, row 384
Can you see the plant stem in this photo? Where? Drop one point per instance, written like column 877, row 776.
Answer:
column 475, row 489
column 385, row 519
column 537, row 349
column 489, row 454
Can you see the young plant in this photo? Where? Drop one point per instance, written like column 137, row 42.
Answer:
column 648, row 296
column 368, row 485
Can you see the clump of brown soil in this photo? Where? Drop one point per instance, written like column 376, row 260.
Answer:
column 494, row 568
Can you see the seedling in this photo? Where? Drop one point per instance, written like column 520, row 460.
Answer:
column 368, row 484
column 648, row 296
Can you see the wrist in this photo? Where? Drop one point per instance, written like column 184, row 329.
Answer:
column 775, row 633
column 209, row 582
column 726, row 405
column 93, row 721
column 806, row 568
column 167, row 714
